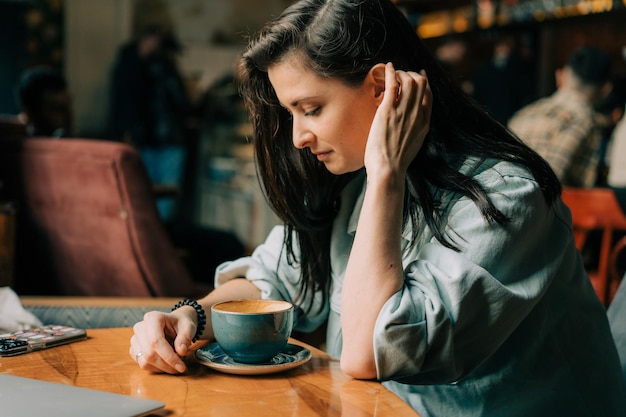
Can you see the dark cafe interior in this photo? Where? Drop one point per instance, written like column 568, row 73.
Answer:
column 128, row 176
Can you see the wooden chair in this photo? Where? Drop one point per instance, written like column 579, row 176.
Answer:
column 87, row 223
column 597, row 209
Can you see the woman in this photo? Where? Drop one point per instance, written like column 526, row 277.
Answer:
column 432, row 240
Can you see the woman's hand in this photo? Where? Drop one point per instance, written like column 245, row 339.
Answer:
column 400, row 123
column 161, row 339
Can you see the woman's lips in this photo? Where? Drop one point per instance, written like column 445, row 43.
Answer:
column 322, row 156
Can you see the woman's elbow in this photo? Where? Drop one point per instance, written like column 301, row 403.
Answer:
column 358, row 368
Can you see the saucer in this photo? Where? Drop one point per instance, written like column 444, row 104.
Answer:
column 291, row 357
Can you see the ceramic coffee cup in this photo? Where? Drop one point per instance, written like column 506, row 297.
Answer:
column 252, row 331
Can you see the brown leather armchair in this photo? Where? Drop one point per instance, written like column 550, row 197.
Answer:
column 87, row 222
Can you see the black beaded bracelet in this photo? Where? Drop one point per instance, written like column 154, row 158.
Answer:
column 199, row 311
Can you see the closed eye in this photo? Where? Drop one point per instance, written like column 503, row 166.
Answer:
column 313, row 112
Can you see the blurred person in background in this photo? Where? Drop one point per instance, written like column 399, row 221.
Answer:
column 45, row 102
column 149, row 106
column 505, row 83
column 609, row 111
column 562, row 127
column 616, row 154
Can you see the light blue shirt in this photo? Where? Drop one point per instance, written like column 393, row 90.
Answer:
column 507, row 326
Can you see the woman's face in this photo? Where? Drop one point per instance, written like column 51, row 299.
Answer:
column 330, row 118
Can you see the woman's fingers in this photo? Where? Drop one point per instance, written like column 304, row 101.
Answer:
column 151, row 339
column 413, row 87
column 147, row 360
column 427, row 99
column 414, row 104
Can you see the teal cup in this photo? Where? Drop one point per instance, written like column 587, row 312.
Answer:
column 252, row 331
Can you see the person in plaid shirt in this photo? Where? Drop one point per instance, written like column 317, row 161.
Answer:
column 562, row 127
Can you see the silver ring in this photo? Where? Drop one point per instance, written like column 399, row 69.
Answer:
column 137, row 356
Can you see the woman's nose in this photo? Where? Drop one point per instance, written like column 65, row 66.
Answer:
column 302, row 137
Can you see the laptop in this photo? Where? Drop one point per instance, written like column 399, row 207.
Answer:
column 26, row 397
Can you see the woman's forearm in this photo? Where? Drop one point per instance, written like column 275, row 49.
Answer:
column 374, row 273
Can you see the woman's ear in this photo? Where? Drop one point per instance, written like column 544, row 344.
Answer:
column 376, row 76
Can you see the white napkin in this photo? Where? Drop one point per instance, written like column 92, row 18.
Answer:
column 13, row 316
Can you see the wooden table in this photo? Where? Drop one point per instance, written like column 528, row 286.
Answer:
column 317, row 388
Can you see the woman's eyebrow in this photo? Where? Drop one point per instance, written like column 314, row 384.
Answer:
column 297, row 101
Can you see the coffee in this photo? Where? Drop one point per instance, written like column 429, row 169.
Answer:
column 252, row 331
column 253, row 306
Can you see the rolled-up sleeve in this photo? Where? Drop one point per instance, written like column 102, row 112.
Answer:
column 277, row 279
column 457, row 307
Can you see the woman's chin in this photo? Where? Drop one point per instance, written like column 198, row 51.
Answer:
column 340, row 170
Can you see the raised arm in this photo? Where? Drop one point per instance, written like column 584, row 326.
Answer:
column 374, row 271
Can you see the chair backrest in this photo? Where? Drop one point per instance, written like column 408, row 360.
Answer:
column 597, row 209
column 87, row 222
column 594, row 207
